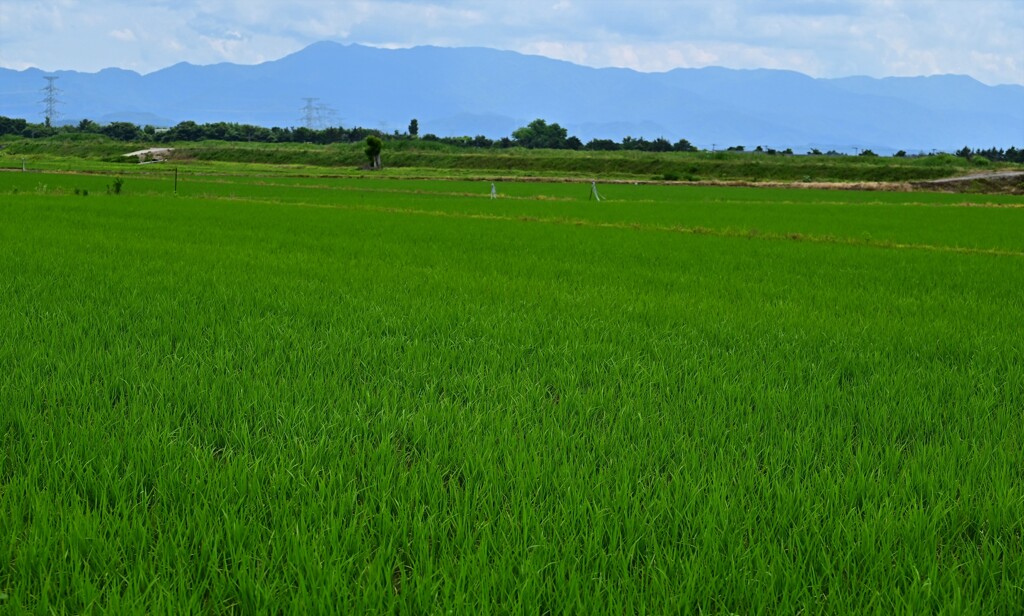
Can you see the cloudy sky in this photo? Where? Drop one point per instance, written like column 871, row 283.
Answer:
column 823, row 38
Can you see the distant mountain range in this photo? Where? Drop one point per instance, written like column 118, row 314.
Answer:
column 471, row 91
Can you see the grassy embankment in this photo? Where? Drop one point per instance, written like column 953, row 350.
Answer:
column 314, row 394
column 427, row 159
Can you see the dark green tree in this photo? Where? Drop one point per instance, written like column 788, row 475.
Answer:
column 684, row 146
column 540, row 134
column 634, row 143
column 602, row 145
column 12, row 126
column 373, row 148
column 122, row 131
column 88, row 126
column 185, row 131
column 414, row 128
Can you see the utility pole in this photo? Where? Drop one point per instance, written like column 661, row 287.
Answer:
column 50, row 99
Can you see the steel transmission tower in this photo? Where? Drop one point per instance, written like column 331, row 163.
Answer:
column 50, row 99
column 314, row 115
column 310, row 115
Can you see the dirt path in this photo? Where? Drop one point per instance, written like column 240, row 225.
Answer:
column 1007, row 182
column 995, row 175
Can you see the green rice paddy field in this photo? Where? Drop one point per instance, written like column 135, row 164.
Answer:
column 315, row 395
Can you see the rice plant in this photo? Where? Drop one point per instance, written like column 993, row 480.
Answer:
column 317, row 395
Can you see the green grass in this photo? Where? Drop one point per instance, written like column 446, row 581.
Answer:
column 362, row 396
column 423, row 158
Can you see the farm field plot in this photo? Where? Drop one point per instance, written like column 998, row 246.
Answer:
column 325, row 395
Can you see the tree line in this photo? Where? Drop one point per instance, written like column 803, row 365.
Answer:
column 996, row 155
column 190, row 131
column 535, row 135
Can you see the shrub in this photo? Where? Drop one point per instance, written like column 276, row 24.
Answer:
column 115, row 188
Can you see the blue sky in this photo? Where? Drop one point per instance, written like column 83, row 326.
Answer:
column 823, row 38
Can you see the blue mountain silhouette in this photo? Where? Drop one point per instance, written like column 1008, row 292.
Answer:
column 470, row 91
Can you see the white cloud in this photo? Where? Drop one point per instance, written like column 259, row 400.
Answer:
column 125, row 35
column 982, row 38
